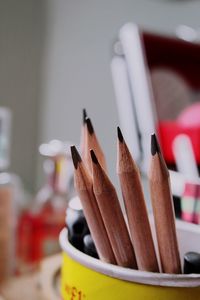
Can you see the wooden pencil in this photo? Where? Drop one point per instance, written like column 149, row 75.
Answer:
column 83, row 133
column 163, row 210
column 133, row 196
column 91, row 142
column 112, row 216
column 83, row 185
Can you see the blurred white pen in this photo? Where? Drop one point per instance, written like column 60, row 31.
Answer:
column 184, row 157
column 125, row 105
column 141, row 87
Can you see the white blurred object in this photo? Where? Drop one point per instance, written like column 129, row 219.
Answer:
column 5, row 133
column 140, row 85
column 187, row 33
column 177, row 181
column 125, row 105
column 184, row 157
column 55, row 149
column 186, row 165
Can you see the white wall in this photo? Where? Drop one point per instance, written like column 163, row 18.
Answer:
column 54, row 59
column 21, row 28
column 76, row 70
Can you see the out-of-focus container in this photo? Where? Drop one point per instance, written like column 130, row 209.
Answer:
column 40, row 225
column 8, row 213
column 7, row 227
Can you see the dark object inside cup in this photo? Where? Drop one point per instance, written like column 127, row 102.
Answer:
column 77, row 227
column 89, row 246
column 191, row 263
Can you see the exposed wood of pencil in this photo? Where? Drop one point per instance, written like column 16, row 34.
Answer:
column 83, row 185
column 83, row 133
column 112, row 216
column 91, row 142
column 133, row 196
column 163, row 210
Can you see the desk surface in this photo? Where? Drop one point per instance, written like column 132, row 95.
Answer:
column 42, row 285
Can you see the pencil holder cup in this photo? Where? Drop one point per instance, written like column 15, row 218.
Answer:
column 87, row 278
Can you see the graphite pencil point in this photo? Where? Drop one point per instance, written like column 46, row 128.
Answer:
column 89, row 126
column 93, row 157
column 155, row 148
column 75, row 156
column 120, row 136
column 84, row 115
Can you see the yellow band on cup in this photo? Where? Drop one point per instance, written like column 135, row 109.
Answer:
column 81, row 283
column 87, row 278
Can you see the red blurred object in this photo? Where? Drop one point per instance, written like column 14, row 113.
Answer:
column 39, row 227
column 184, row 58
column 39, row 233
column 188, row 203
column 168, row 130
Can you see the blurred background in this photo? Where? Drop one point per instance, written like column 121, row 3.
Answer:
column 55, row 60
column 59, row 57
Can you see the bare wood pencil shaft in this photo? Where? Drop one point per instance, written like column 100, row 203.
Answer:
column 136, row 210
column 83, row 185
column 91, row 142
column 163, row 210
column 113, row 218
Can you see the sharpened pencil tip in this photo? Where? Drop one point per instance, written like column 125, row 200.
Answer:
column 75, row 156
column 89, row 126
column 93, row 157
column 84, row 115
column 155, row 148
column 120, row 136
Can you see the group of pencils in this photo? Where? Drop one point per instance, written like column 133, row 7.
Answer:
column 128, row 245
